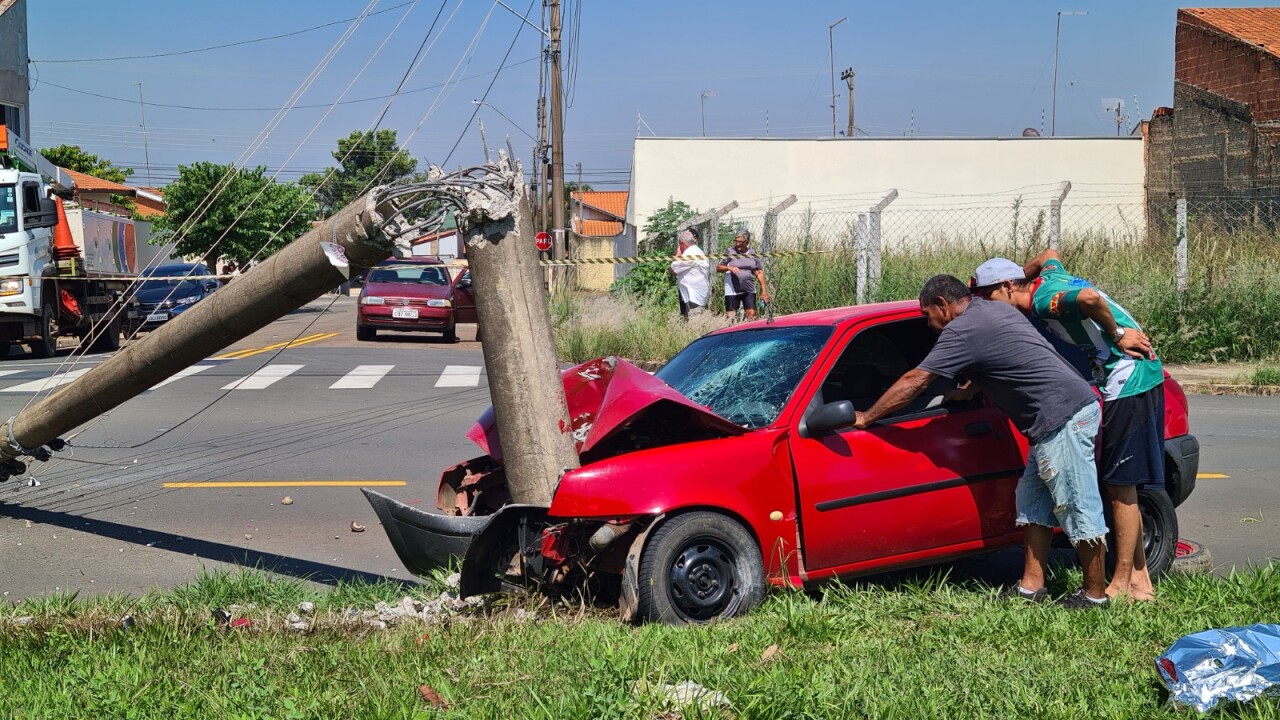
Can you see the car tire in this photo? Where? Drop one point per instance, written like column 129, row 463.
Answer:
column 1159, row 531
column 46, row 345
column 1192, row 558
column 366, row 333
column 699, row 567
column 451, row 333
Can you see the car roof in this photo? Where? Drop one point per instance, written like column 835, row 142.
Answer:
column 415, row 260
column 840, row 317
column 174, row 266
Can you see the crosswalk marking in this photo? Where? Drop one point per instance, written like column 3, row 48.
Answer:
column 264, row 378
column 364, row 376
column 47, row 383
column 459, row 376
column 183, row 373
column 9, row 372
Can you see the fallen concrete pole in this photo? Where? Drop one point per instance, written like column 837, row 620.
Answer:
column 298, row 274
column 519, row 349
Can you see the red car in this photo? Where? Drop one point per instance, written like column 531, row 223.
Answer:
column 737, row 466
column 420, row 295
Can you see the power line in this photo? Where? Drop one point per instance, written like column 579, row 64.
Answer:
column 205, row 108
column 223, row 46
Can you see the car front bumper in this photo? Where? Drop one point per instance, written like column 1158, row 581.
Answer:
column 425, row 541
column 428, row 320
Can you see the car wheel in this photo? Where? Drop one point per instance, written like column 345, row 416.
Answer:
column 366, row 333
column 1191, row 557
column 109, row 339
column 698, row 567
column 1159, row 529
column 451, row 333
column 46, row 345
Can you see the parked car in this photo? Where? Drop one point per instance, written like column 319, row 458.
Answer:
column 737, row 465
column 418, row 295
column 166, row 291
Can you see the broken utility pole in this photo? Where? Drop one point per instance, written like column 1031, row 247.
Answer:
column 519, row 349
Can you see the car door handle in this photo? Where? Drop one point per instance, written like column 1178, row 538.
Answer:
column 978, row 428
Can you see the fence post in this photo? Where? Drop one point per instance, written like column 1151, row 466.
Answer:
column 1055, row 215
column 876, row 246
column 1182, row 245
column 860, row 247
column 771, row 223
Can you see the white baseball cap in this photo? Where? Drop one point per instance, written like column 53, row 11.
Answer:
column 996, row 271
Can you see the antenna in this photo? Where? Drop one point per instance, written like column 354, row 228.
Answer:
column 1114, row 105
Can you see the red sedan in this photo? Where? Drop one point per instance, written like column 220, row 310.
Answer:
column 737, row 465
column 420, row 296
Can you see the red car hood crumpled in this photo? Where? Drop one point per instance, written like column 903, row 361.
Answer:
column 609, row 394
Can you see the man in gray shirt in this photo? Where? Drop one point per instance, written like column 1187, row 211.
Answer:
column 1001, row 354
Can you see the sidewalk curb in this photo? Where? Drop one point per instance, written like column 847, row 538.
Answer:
column 1207, row 388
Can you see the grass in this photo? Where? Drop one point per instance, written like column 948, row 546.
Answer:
column 922, row 647
column 1265, row 376
column 1227, row 313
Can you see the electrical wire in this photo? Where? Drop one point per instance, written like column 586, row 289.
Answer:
column 225, row 45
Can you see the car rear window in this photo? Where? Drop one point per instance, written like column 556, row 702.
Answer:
column 747, row 376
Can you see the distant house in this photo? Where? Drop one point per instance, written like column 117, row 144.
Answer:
column 149, row 203
column 95, row 193
column 445, row 241
column 14, row 82
column 1219, row 146
column 598, row 221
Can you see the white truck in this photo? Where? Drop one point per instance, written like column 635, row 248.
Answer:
column 57, row 281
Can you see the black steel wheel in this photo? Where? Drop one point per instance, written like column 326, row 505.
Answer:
column 451, row 333
column 698, row 567
column 366, row 333
column 1159, row 529
column 46, row 345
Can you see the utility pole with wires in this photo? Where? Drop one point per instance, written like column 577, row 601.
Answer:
column 847, row 76
column 146, row 150
column 560, row 244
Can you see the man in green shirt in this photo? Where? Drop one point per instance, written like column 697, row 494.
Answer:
column 1128, row 375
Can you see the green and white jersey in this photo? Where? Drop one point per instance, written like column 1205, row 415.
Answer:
column 1118, row 374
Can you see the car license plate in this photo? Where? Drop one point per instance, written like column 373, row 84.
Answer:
column 158, row 317
column 405, row 313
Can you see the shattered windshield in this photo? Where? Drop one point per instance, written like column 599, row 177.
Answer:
column 745, row 376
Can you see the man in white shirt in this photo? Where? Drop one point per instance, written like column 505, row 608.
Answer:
column 693, row 276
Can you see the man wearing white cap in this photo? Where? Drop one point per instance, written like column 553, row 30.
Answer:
column 1128, row 375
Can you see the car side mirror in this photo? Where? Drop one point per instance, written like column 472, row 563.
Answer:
column 465, row 282
column 834, row 415
column 210, row 285
column 45, row 217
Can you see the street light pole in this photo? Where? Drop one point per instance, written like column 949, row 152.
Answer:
column 702, row 99
column 1057, row 34
column 831, row 54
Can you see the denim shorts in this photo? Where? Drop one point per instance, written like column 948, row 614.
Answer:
column 1059, row 488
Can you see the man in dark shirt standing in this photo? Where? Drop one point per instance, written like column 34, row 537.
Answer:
column 1001, row 354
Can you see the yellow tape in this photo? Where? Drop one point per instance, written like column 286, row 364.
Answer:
column 659, row 258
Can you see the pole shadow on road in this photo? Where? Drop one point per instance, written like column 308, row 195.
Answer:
column 316, row 572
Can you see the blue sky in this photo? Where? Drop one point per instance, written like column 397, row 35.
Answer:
column 932, row 68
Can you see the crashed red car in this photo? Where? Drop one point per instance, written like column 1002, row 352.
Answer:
column 736, row 466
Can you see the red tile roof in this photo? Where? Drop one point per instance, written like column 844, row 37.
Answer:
column 613, row 202
column 89, row 183
column 1256, row 26
column 146, row 212
column 597, row 228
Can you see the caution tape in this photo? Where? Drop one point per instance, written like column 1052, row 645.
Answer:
column 652, row 258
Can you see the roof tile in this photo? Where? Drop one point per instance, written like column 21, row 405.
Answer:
column 1257, row 26
column 613, row 202
column 89, row 183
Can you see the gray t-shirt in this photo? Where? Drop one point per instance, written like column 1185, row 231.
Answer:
column 1002, row 353
column 742, row 271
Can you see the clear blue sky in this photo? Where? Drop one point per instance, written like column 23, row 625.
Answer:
column 940, row 68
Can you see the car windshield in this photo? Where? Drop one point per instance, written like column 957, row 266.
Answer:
column 168, row 276
column 410, row 274
column 8, row 209
column 748, row 376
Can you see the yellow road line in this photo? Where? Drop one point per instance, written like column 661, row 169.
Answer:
column 286, row 483
column 250, row 352
column 1212, row 476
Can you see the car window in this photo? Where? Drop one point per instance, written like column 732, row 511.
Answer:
column 747, row 376
column 874, row 360
column 8, row 209
column 410, row 274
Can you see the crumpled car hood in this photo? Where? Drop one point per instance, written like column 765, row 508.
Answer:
column 608, row 395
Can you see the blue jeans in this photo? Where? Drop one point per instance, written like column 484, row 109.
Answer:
column 1059, row 488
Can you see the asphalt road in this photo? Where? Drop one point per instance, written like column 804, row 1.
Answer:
column 112, row 515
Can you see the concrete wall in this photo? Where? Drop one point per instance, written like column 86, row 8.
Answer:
column 13, row 63
column 592, row 277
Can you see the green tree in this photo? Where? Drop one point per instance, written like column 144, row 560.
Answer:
column 364, row 159
column 274, row 214
column 73, row 157
column 659, row 232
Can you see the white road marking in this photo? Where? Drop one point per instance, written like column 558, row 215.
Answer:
column 363, row 376
column 52, row 381
column 9, row 372
column 183, row 373
column 264, row 378
column 459, row 376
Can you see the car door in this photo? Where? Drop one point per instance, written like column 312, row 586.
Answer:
column 933, row 479
column 464, row 298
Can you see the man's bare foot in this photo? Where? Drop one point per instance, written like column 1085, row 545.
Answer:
column 1131, row 594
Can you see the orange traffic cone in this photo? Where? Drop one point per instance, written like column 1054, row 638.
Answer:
column 64, row 246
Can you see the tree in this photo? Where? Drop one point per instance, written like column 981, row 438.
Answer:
column 659, row 232
column 364, row 160
column 274, row 214
column 73, row 157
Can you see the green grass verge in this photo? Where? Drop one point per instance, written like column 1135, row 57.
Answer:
column 1265, row 376
column 917, row 648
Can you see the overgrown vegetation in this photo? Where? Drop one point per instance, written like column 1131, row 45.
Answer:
column 927, row 646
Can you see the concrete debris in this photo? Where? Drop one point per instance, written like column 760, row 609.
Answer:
column 24, row 620
column 453, row 581
column 295, row 622
column 286, row 500
column 686, row 694
column 28, row 523
column 356, row 527
column 307, row 607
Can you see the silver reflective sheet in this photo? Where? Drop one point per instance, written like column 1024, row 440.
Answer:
column 1238, row 663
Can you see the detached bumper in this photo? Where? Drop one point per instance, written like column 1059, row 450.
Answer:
column 425, row 541
column 1182, row 455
